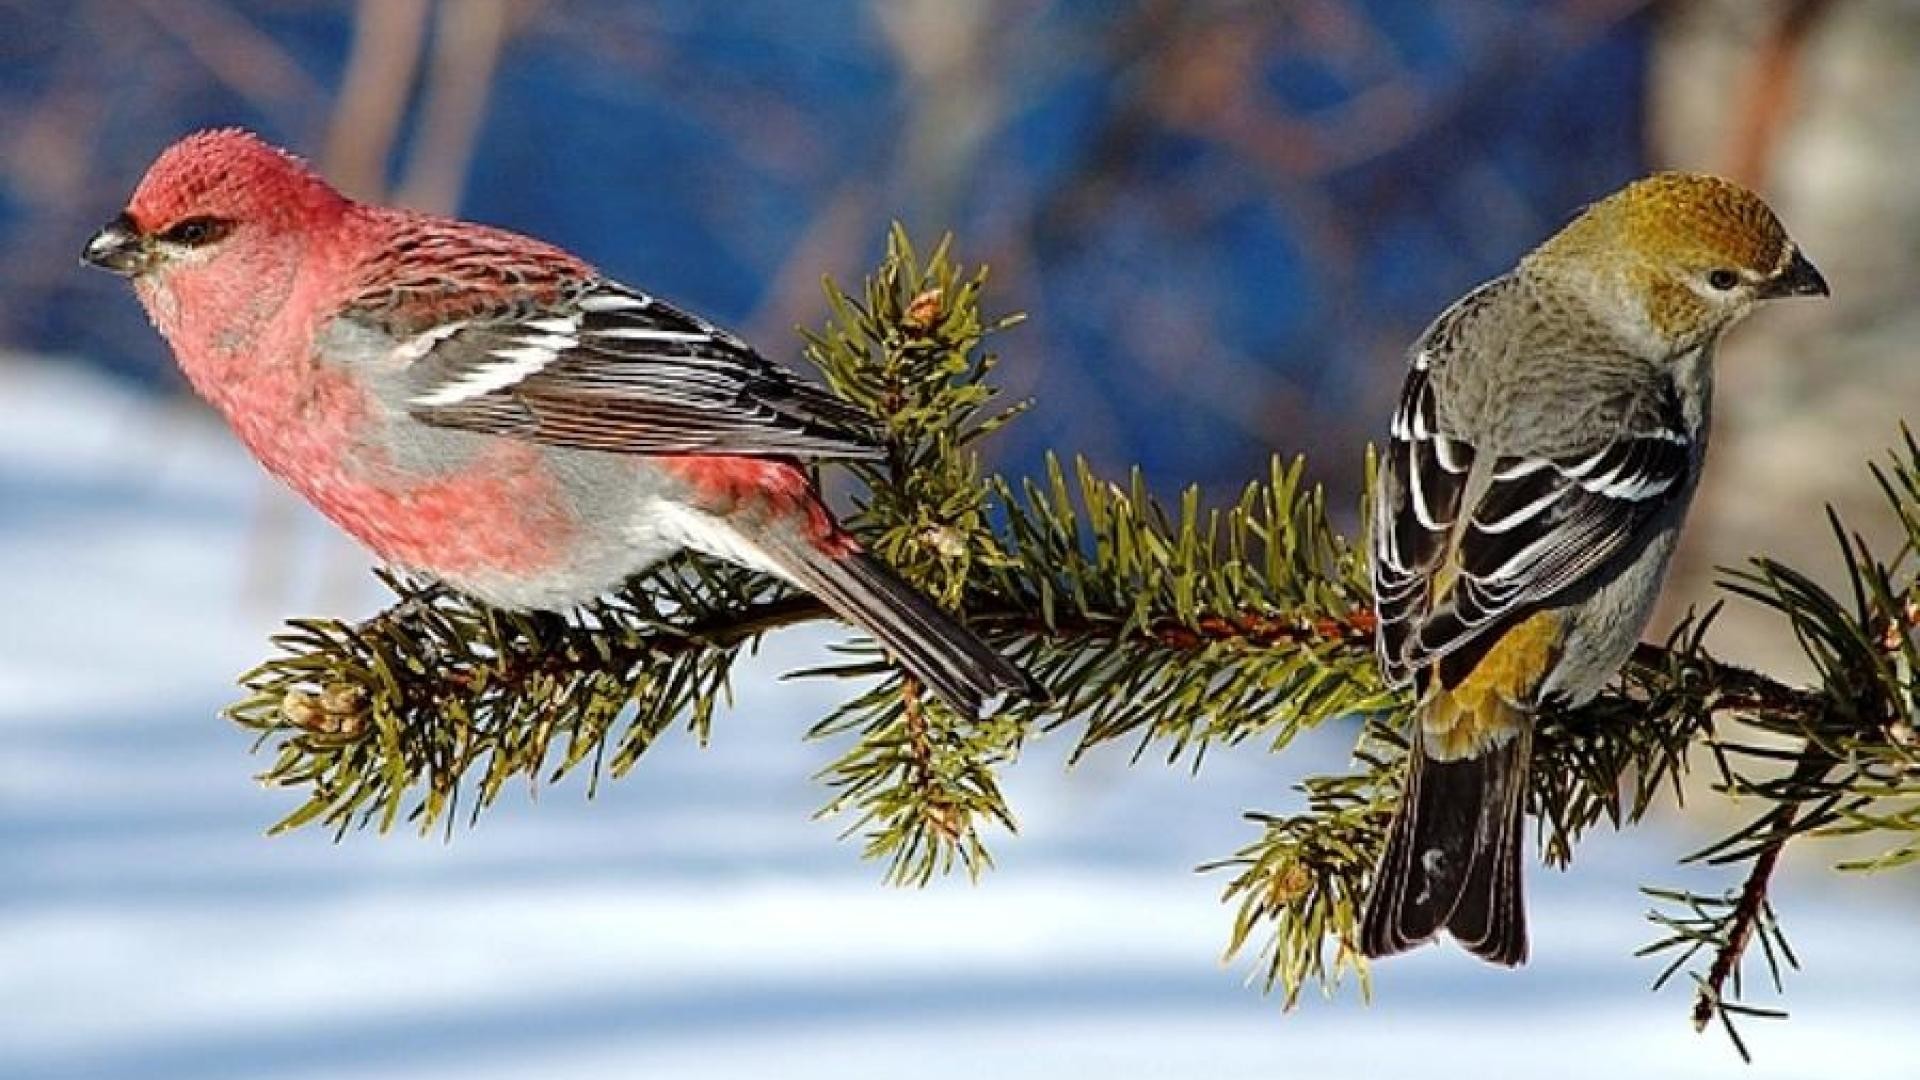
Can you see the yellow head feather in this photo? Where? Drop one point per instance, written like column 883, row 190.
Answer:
column 1665, row 234
column 1682, row 219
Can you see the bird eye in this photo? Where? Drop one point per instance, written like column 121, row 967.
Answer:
column 197, row 231
column 1723, row 279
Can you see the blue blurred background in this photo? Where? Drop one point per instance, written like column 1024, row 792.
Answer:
column 1225, row 219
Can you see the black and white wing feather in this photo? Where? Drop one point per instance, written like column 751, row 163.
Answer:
column 603, row 367
column 1417, row 495
column 1448, row 579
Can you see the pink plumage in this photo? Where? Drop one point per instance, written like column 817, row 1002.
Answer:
column 489, row 409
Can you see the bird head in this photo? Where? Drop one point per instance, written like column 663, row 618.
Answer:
column 220, row 214
column 1677, row 257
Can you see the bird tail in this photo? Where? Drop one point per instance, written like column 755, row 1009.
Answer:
column 1452, row 859
column 948, row 658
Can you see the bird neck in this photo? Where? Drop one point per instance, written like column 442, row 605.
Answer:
column 241, row 326
column 1656, row 316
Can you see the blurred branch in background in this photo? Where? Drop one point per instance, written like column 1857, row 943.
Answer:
column 388, row 36
column 1772, row 84
column 468, row 37
column 1299, row 122
column 379, row 88
column 235, row 52
column 70, row 69
column 951, row 100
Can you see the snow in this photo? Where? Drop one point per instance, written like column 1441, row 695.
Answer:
column 692, row 920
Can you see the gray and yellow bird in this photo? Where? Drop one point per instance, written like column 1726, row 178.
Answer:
column 1547, row 443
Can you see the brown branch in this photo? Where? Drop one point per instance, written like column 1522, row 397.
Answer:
column 938, row 812
column 1355, row 629
column 1742, row 690
column 1736, row 689
column 1254, row 628
column 789, row 610
column 1815, row 762
column 340, row 709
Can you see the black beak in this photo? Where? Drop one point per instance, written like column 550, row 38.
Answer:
column 1800, row 278
column 119, row 247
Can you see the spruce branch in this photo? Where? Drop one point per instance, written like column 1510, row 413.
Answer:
column 1190, row 626
column 919, row 778
column 1305, row 878
column 1850, row 764
column 382, row 720
column 1167, row 626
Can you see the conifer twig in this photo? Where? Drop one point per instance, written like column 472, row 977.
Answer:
column 1171, row 624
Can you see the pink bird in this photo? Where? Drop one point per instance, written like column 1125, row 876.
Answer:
column 492, row 411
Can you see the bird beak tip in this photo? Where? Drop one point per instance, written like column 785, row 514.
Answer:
column 118, row 247
column 1800, row 278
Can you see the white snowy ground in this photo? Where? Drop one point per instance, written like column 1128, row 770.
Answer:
column 691, row 921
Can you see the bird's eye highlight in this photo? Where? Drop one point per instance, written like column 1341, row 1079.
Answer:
column 197, row 231
column 1723, row 279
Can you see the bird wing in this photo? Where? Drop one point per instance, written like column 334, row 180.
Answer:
column 1450, row 579
column 507, row 336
